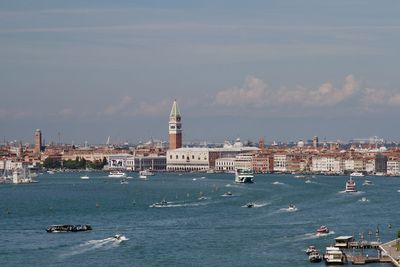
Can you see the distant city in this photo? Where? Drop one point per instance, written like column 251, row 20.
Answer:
column 371, row 156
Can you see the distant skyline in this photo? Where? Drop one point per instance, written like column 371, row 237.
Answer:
column 281, row 70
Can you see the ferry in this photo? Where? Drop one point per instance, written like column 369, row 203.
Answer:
column 244, row 176
column 323, row 230
column 68, row 228
column 350, row 186
column 117, row 174
column 334, row 255
column 357, row 174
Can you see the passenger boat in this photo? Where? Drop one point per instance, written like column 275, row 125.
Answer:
column 334, row 255
column 322, row 230
column 350, row 186
column 117, row 174
column 68, row 228
column 244, row 176
column 315, row 256
column 357, row 174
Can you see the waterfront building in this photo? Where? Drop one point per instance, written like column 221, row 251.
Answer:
column 187, row 159
column 175, row 127
column 280, row 163
column 225, row 165
column 244, row 162
column 327, row 164
column 393, row 167
column 381, row 163
column 370, row 165
column 263, row 163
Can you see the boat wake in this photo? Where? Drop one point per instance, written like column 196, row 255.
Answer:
column 278, row 183
column 201, row 178
column 288, row 209
column 104, row 244
column 310, row 236
column 352, row 193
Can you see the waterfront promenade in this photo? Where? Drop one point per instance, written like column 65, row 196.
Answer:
column 391, row 250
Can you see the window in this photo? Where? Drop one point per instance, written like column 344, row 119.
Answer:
column 170, row 156
column 192, row 156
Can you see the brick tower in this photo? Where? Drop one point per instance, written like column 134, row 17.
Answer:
column 175, row 127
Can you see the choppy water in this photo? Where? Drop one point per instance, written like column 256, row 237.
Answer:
column 213, row 231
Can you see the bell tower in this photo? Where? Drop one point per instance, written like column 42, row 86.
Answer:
column 175, row 127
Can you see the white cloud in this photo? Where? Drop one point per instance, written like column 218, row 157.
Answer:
column 123, row 104
column 255, row 93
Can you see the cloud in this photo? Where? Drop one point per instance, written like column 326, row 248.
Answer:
column 123, row 104
column 160, row 108
column 255, row 93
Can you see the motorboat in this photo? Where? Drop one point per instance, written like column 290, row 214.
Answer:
column 227, row 194
column 322, row 230
column 119, row 238
column 249, row 205
column 124, row 181
column 68, row 228
column 350, row 186
column 292, row 207
column 315, row 256
column 356, row 174
column 244, row 176
column 367, row 182
column 85, row 177
column 117, row 174
column 310, row 249
column 161, row 204
column 146, row 173
column 334, row 255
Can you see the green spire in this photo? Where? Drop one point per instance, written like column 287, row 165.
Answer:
column 175, row 111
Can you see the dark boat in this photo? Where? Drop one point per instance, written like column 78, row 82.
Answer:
column 315, row 256
column 68, row 228
column 250, row 205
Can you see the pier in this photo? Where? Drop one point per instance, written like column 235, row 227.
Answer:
column 391, row 250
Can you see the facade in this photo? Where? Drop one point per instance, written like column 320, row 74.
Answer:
column 225, row 165
column 327, row 165
column 136, row 163
column 191, row 159
column 175, row 127
column 381, row 163
column 393, row 167
column 280, row 163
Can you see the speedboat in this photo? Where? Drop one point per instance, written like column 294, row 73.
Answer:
column 119, row 238
column 315, row 256
column 367, row 182
column 124, row 181
column 310, row 249
column 357, row 174
column 322, row 230
column 68, row 228
column 292, row 207
column 85, row 177
column 161, row 204
column 116, row 174
column 227, row 194
column 249, row 205
column 350, row 186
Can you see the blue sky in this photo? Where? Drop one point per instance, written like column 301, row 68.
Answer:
column 282, row 70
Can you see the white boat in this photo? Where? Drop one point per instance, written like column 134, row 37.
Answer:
column 124, row 181
column 117, row 174
column 350, row 186
column 367, row 182
column 50, row 172
column 292, row 207
column 357, row 174
column 161, row 204
column 146, row 173
column 334, row 255
column 244, row 176
column 21, row 176
column 85, row 177
column 120, row 238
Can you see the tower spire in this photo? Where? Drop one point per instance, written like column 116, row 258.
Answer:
column 175, row 127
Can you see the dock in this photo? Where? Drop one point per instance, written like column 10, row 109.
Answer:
column 363, row 259
column 390, row 249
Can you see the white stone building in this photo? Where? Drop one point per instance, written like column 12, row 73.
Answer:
column 280, row 163
column 393, row 167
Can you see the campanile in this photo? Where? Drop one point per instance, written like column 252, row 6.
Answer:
column 175, row 127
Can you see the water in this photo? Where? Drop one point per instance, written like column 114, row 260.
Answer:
column 213, row 231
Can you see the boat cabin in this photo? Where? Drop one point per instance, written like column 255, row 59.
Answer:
column 343, row 241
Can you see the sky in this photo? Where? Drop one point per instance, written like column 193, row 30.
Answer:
column 83, row 70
